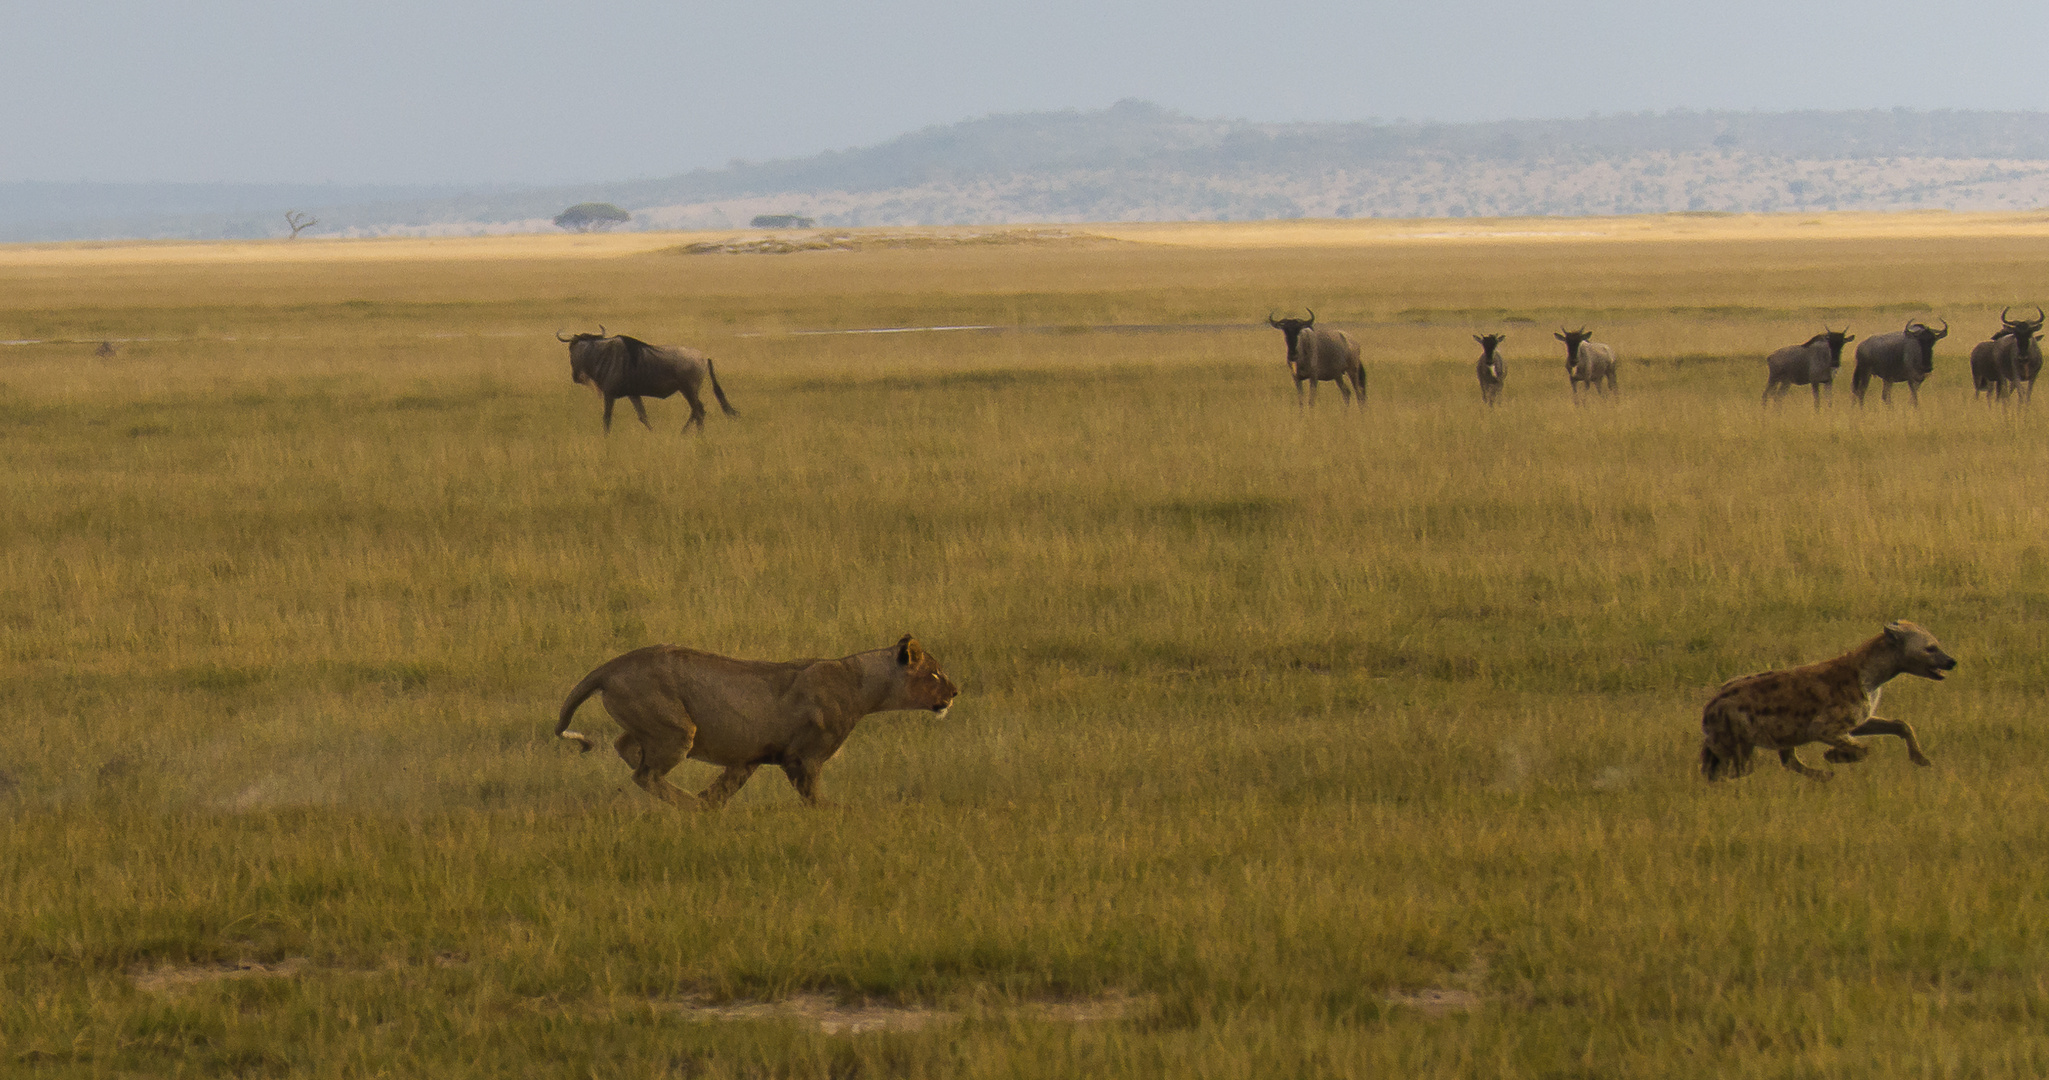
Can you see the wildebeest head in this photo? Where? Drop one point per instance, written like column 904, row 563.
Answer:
column 1292, row 328
column 1927, row 337
column 2022, row 331
column 577, row 374
column 1572, row 339
column 1836, row 339
column 1919, row 653
column 1488, row 344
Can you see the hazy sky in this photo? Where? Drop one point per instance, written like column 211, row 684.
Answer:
column 467, row 91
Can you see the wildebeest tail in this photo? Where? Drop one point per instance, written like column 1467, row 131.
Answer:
column 584, row 689
column 1859, row 379
column 716, row 390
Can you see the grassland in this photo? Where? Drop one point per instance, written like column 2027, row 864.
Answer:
column 1332, row 743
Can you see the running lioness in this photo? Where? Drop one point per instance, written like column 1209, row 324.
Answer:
column 676, row 703
column 1831, row 701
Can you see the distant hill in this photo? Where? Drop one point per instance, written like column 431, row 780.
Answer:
column 1138, row 162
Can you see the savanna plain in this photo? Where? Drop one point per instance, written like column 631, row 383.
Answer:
column 1291, row 742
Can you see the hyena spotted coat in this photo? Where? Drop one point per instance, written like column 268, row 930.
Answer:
column 1832, row 701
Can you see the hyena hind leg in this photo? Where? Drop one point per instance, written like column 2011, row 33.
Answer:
column 1844, row 750
column 1791, row 760
column 1878, row 725
column 1725, row 761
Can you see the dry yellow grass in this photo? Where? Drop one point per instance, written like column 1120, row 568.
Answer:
column 1351, row 743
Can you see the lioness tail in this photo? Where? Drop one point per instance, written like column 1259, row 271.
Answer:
column 584, row 689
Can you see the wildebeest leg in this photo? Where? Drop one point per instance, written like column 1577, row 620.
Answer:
column 1344, row 388
column 1298, row 388
column 641, row 411
column 1885, row 391
column 1914, row 393
column 1879, row 725
column 1817, row 397
column 804, row 777
column 609, row 399
column 1791, row 760
column 725, row 787
column 696, row 411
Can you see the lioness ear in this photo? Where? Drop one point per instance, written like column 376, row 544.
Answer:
column 908, row 652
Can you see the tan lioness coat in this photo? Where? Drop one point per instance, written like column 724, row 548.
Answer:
column 1831, row 702
column 678, row 703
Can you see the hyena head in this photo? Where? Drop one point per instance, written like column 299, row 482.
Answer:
column 1919, row 652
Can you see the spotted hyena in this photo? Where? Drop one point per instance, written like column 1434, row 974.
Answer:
column 1831, row 702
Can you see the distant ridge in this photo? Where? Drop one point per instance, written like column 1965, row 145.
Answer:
column 1138, row 161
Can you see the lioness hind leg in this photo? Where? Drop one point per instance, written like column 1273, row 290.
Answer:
column 627, row 746
column 728, row 784
column 1878, row 725
column 658, row 756
column 1791, row 760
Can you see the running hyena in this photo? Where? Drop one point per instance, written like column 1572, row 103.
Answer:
column 1831, row 702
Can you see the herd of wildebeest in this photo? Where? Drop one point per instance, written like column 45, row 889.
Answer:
column 2005, row 366
column 2002, row 367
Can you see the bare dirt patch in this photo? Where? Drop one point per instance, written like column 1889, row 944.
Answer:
column 171, row 978
column 833, row 1017
column 1458, row 993
column 830, row 240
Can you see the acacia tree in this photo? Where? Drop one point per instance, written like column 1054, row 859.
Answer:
column 591, row 216
column 299, row 223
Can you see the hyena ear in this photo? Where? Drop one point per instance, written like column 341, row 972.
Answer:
column 1895, row 633
column 908, row 651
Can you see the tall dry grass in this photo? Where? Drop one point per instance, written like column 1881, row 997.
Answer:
column 1270, row 716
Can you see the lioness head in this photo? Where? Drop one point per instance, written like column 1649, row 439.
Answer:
column 1919, row 652
column 924, row 685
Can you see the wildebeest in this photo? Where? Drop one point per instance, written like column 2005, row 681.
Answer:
column 2009, row 363
column 1491, row 370
column 1587, row 363
column 1907, row 356
column 618, row 366
column 1319, row 355
column 1811, row 364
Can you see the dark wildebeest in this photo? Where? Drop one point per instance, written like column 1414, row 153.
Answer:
column 618, row 366
column 2009, row 362
column 1491, row 370
column 1321, row 355
column 1812, row 364
column 1907, row 356
column 1587, row 363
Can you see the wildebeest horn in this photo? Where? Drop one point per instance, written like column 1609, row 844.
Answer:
column 2002, row 316
column 1270, row 321
column 1312, row 316
column 601, row 331
column 558, row 334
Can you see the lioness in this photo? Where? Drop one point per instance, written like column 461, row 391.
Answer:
column 676, row 703
column 1831, row 702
